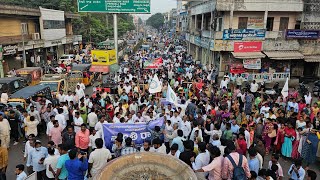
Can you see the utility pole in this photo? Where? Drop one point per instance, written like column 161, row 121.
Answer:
column 1, row 65
column 115, row 29
column 23, row 32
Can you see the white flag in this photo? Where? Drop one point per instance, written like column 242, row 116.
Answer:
column 155, row 86
column 171, row 95
column 285, row 89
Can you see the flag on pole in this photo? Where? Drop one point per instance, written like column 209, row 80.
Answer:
column 285, row 89
column 155, row 86
column 171, row 95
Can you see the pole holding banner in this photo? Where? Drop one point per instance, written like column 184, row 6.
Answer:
column 115, row 28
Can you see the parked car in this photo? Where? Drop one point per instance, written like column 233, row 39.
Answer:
column 67, row 59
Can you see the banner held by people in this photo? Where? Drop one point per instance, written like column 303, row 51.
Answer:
column 138, row 132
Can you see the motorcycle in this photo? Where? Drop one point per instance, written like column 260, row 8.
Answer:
column 316, row 88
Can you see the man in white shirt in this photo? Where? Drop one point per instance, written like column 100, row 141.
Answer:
column 92, row 119
column 61, row 118
column 77, row 122
column 79, row 92
column 51, row 160
column 98, row 158
column 139, row 118
column 176, row 118
column 308, row 98
column 116, row 118
column 158, row 146
column 254, row 87
column 99, row 125
column 201, row 160
column 127, row 88
column 224, row 83
column 68, row 97
column 185, row 126
column 133, row 106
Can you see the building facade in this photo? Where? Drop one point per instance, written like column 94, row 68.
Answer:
column 43, row 34
column 262, row 40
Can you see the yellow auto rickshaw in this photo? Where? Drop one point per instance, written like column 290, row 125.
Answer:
column 82, row 70
column 56, row 82
column 31, row 92
column 31, row 74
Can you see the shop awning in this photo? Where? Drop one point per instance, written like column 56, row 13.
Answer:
column 248, row 55
column 104, row 69
column 312, row 58
column 283, row 55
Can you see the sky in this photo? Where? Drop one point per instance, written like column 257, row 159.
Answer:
column 160, row 6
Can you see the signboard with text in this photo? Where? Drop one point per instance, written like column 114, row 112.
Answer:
column 249, row 46
column 252, row 63
column 115, row 6
column 243, row 34
column 302, row 34
column 255, row 23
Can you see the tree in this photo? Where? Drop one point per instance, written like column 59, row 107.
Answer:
column 156, row 20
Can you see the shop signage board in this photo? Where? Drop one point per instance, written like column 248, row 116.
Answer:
column 115, row 6
column 255, row 23
column 248, row 46
column 243, row 34
column 222, row 45
column 9, row 50
column 302, row 34
column 252, row 63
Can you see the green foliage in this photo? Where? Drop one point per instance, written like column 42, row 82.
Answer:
column 94, row 27
column 156, row 20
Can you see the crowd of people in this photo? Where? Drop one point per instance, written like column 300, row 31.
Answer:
column 221, row 130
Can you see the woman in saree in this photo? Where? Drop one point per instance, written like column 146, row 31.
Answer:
column 249, row 98
column 289, row 136
column 279, row 139
column 310, row 147
column 109, row 108
column 314, row 111
column 303, row 135
column 269, row 133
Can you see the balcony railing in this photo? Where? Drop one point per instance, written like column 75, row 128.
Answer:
column 14, row 39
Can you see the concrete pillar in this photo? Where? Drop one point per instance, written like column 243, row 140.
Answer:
column 231, row 16
column 265, row 18
column 197, row 53
column 202, row 21
column 195, row 22
column 211, row 19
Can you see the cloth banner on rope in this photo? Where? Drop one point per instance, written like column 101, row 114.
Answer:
column 139, row 132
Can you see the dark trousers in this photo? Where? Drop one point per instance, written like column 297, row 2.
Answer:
column 29, row 170
column 15, row 134
column 2, row 175
column 41, row 175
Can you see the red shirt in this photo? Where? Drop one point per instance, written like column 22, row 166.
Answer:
column 242, row 146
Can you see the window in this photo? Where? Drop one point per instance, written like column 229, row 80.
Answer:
column 24, row 28
column 298, row 25
column 270, row 21
column 219, row 24
column 53, row 24
column 243, row 23
column 284, row 22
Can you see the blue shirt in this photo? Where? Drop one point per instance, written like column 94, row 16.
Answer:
column 294, row 175
column 61, row 165
column 34, row 157
column 178, row 140
column 235, row 128
column 76, row 168
column 254, row 165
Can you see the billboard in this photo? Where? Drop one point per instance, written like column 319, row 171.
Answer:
column 302, row 34
column 249, row 46
column 243, row 34
column 103, row 57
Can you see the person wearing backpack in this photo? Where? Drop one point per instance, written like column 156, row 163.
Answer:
column 235, row 165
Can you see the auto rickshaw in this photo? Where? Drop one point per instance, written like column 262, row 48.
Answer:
column 22, row 96
column 56, row 82
column 31, row 74
column 83, row 69
column 11, row 84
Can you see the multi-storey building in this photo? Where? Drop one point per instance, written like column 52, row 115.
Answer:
column 265, row 40
column 42, row 33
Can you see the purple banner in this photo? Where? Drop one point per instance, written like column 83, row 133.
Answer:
column 139, row 132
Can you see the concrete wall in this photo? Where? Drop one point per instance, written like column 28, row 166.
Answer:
column 260, row 5
column 276, row 23
column 15, row 26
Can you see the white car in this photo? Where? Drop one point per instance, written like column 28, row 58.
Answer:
column 67, row 59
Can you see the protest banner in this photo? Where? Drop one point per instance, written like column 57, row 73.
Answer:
column 139, row 132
